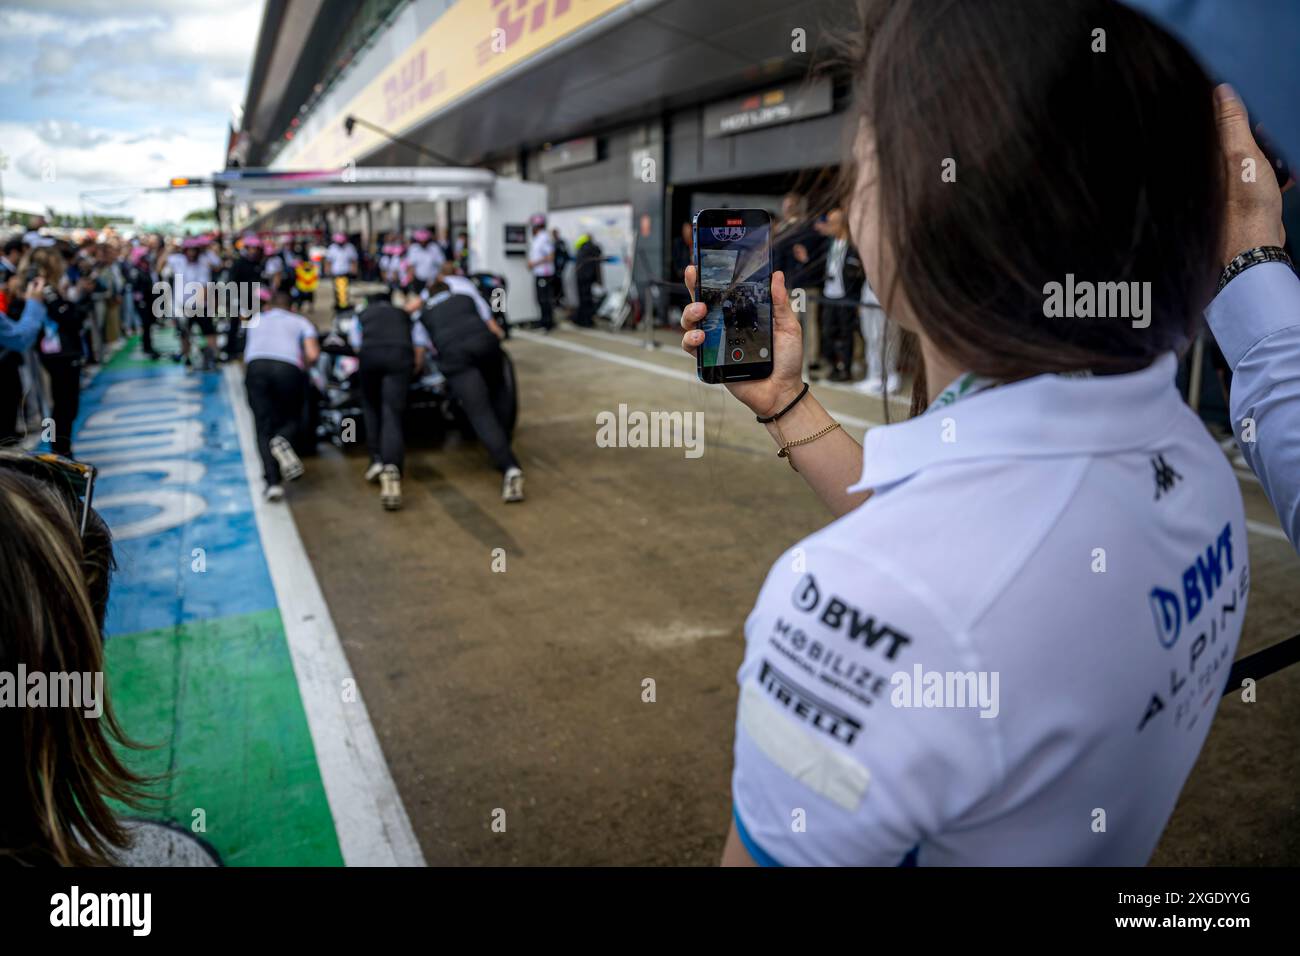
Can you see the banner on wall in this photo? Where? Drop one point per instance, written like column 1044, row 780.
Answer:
column 473, row 42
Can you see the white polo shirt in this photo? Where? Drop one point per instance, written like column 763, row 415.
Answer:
column 185, row 272
column 341, row 258
column 541, row 246
column 1064, row 555
column 425, row 260
column 278, row 335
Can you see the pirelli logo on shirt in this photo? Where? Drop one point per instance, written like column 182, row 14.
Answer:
column 810, row 709
column 838, row 615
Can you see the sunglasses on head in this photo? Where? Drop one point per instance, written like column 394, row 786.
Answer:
column 76, row 476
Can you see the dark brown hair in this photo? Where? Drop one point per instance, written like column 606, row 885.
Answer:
column 60, row 767
column 1068, row 160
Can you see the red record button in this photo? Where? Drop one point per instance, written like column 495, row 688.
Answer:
column 737, row 355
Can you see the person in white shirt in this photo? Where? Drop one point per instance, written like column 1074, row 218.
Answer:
column 280, row 347
column 392, row 264
column 341, row 256
column 191, row 270
column 1009, row 645
column 880, row 345
column 33, row 238
column 541, row 259
column 423, row 259
column 275, row 265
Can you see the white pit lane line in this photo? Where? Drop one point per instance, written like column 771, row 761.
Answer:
column 369, row 818
column 1254, row 527
column 652, row 367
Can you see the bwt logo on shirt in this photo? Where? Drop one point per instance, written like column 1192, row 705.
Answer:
column 837, row 615
column 1201, row 579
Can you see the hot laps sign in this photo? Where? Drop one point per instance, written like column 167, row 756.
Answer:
column 785, row 104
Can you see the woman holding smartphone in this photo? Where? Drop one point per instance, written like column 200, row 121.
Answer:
column 1009, row 645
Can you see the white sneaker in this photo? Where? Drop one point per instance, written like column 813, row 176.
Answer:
column 273, row 493
column 512, row 488
column 390, row 488
column 373, row 472
column 870, row 386
column 290, row 464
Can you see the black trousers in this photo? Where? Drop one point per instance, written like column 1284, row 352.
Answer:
column 235, row 336
column 65, row 396
column 544, row 301
column 146, row 332
column 276, row 391
column 145, row 304
column 839, row 322
column 385, row 380
column 586, row 305
column 478, row 383
column 11, row 396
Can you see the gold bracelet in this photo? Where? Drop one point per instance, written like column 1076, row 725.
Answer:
column 785, row 448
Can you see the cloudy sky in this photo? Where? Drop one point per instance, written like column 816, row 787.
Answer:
column 108, row 94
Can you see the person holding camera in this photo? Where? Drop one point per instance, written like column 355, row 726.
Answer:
column 16, row 337
column 62, row 345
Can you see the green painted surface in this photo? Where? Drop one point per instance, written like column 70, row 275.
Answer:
column 128, row 356
column 219, row 702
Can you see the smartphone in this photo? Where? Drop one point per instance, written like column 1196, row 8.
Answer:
column 733, row 270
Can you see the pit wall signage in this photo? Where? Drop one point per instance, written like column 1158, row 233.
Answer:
column 784, row 104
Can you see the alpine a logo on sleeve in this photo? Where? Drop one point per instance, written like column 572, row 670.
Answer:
column 838, row 615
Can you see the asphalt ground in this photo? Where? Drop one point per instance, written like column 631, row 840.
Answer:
column 521, row 690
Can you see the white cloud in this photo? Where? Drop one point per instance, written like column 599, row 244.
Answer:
column 54, row 60
column 221, row 41
column 70, row 30
column 72, row 134
column 106, row 179
column 121, row 94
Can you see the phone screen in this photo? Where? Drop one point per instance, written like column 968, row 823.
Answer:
column 733, row 259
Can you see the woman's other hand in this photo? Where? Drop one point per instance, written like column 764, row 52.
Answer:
column 1254, row 214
